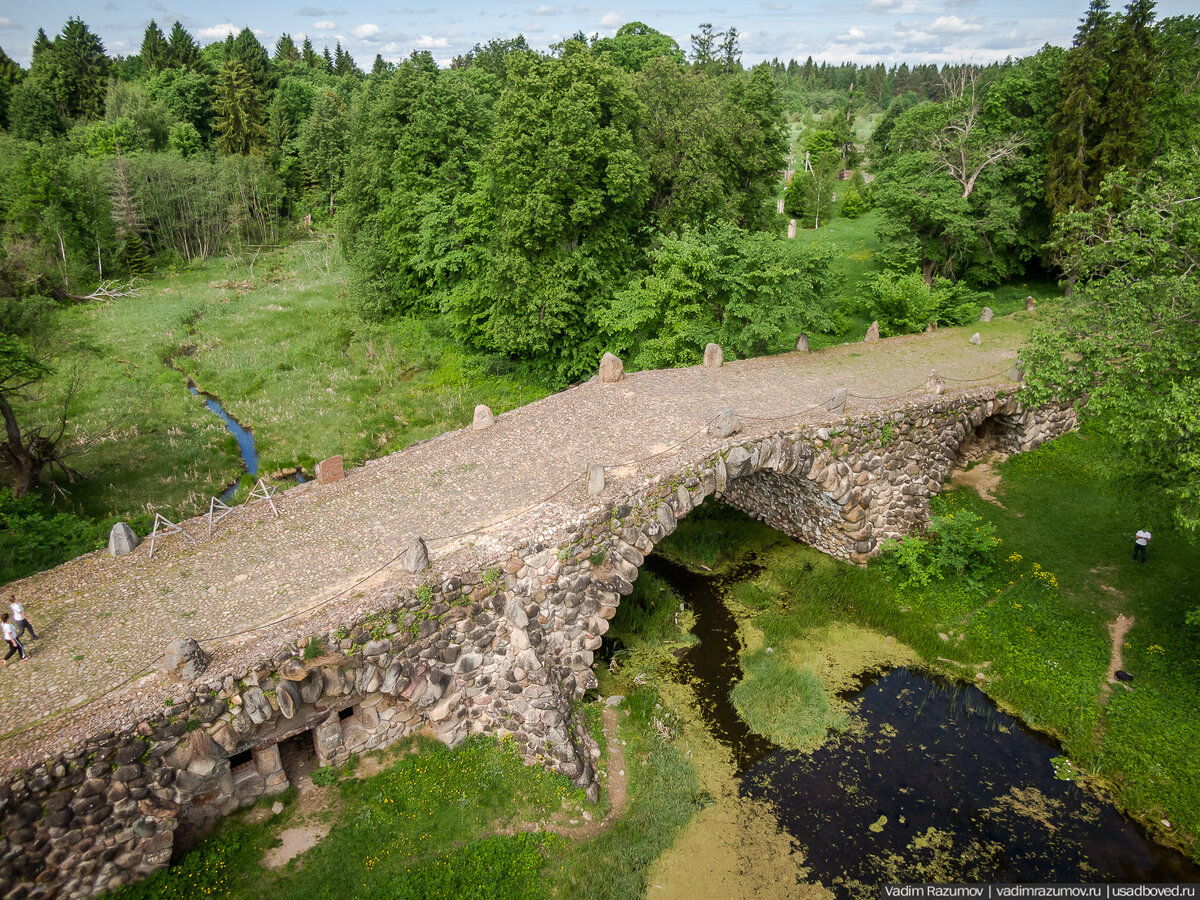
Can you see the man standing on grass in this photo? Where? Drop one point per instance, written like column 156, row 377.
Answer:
column 10, row 638
column 20, row 623
column 1140, row 540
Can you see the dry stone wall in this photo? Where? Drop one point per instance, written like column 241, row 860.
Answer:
column 503, row 649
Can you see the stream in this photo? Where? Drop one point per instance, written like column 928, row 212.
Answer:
column 241, row 434
column 935, row 784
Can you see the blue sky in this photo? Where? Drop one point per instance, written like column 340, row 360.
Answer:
column 861, row 31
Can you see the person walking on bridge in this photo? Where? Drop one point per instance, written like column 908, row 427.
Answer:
column 21, row 623
column 10, row 638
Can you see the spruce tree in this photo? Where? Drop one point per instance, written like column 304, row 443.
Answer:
column 1073, row 174
column 74, row 71
column 252, row 56
column 286, row 54
column 241, row 126
column 155, row 51
column 1124, row 112
column 183, row 52
column 343, row 63
column 309, row 56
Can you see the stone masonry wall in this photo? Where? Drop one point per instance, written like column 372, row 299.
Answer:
column 505, row 649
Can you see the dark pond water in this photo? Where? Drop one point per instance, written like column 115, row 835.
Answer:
column 937, row 784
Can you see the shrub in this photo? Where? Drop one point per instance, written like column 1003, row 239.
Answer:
column 905, row 303
column 853, row 204
column 960, row 544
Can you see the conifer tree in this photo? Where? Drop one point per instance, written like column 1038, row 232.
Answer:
column 155, row 51
column 1073, row 174
column 73, row 69
column 286, row 54
column 380, row 67
column 252, row 56
column 1124, row 113
column 309, row 56
column 183, row 53
column 41, row 43
column 241, row 126
column 343, row 63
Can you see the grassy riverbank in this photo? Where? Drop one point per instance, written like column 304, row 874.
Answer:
column 1034, row 633
column 289, row 359
column 473, row 822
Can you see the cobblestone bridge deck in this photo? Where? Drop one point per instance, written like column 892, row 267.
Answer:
column 104, row 622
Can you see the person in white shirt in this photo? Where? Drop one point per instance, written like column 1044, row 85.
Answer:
column 10, row 638
column 1140, row 540
column 21, row 623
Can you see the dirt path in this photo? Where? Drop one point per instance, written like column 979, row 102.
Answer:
column 618, row 786
column 1117, row 629
column 983, row 477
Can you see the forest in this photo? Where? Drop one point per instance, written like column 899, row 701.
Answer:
column 535, row 209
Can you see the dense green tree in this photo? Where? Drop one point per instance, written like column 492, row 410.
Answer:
column 10, row 76
column 635, row 45
column 240, row 118
column 947, row 197
column 414, row 147
column 714, row 146
column 308, row 56
column 1175, row 103
column 41, row 43
column 1124, row 349
column 149, row 118
column 494, row 57
column 33, row 114
column 748, row 291
column 381, row 68
column 343, row 63
column 183, row 52
column 1107, row 84
column 74, row 70
column 188, row 96
column 252, row 57
column 287, row 56
column 323, row 144
column 561, row 197
column 58, row 232
column 155, row 52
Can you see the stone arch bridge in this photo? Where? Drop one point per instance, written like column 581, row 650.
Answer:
column 531, row 550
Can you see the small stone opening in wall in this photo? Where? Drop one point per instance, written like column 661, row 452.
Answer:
column 240, row 761
column 298, row 755
column 346, row 713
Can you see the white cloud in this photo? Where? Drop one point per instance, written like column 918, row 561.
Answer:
column 6, row 22
column 776, row 7
column 425, row 42
column 546, row 10
column 610, row 19
column 954, row 25
column 366, row 31
column 324, row 25
column 854, row 34
column 216, row 32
